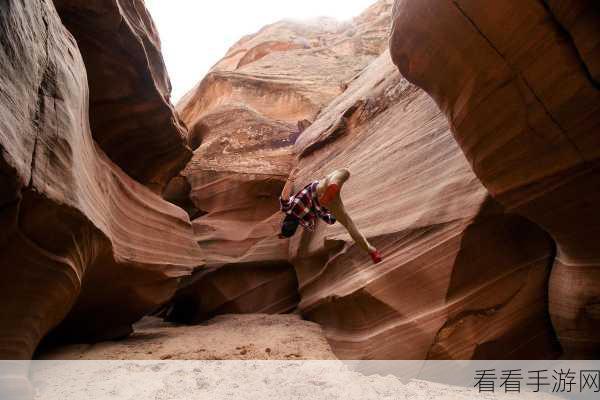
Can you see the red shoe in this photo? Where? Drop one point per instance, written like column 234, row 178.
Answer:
column 376, row 257
column 331, row 191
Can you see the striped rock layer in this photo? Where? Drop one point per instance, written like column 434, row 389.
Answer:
column 519, row 82
column 131, row 116
column 82, row 243
column 461, row 277
column 244, row 118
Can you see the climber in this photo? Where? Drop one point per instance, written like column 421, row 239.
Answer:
column 310, row 203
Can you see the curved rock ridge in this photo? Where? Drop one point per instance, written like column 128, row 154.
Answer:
column 460, row 277
column 233, row 182
column 519, row 86
column 78, row 234
column 291, row 69
column 244, row 119
column 130, row 89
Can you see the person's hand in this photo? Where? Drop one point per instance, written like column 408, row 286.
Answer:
column 375, row 255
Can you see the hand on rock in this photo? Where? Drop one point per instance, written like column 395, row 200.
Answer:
column 375, row 256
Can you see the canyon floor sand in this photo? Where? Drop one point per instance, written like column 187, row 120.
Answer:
column 226, row 337
column 179, row 380
column 229, row 357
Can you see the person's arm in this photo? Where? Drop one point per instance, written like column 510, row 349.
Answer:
column 289, row 184
column 339, row 211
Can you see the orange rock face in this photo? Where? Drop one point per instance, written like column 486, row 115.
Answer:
column 519, row 84
column 129, row 88
column 244, row 119
column 460, row 278
column 480, row 198
column 78, row 234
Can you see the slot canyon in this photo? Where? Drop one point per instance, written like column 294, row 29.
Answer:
column 472, row 142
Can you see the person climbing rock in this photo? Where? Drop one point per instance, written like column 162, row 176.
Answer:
column 320, row 199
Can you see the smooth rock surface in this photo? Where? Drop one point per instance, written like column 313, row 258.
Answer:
column 519, row 86
column 77, row 231
column 131, row 116
column 460, row 277
column 244, row 119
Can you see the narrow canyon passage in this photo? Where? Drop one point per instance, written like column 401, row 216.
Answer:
column 134, row 228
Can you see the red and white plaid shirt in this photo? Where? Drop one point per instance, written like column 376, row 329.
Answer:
column 305, row 206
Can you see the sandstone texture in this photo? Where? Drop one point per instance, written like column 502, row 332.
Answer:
column 461, row 278
column 80, row 238
column 472, row 139
column 244, row 118
column 131, row 116
column 519, row 84
column 464, row 275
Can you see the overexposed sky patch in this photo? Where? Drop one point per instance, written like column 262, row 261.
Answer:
column 195, row 34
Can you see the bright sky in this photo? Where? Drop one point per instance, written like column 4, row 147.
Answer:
column 195, row 34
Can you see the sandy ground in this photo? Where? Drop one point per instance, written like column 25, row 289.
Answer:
column 230, row 357
column 227, row 337
column 183, row 380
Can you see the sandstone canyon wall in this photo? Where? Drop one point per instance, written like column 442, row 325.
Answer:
column 244, row 118
column 481, row 197
column 462, row 277
column 131, row 116
column 519, row 84
column 81, row 239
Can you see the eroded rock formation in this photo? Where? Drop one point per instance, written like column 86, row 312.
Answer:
column 244, row 119
column 460, row 278
column 518, row 82
column 78, row 234
column 130, row 90
column 485, row 256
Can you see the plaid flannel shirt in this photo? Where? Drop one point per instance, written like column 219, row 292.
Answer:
column 305, row 206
